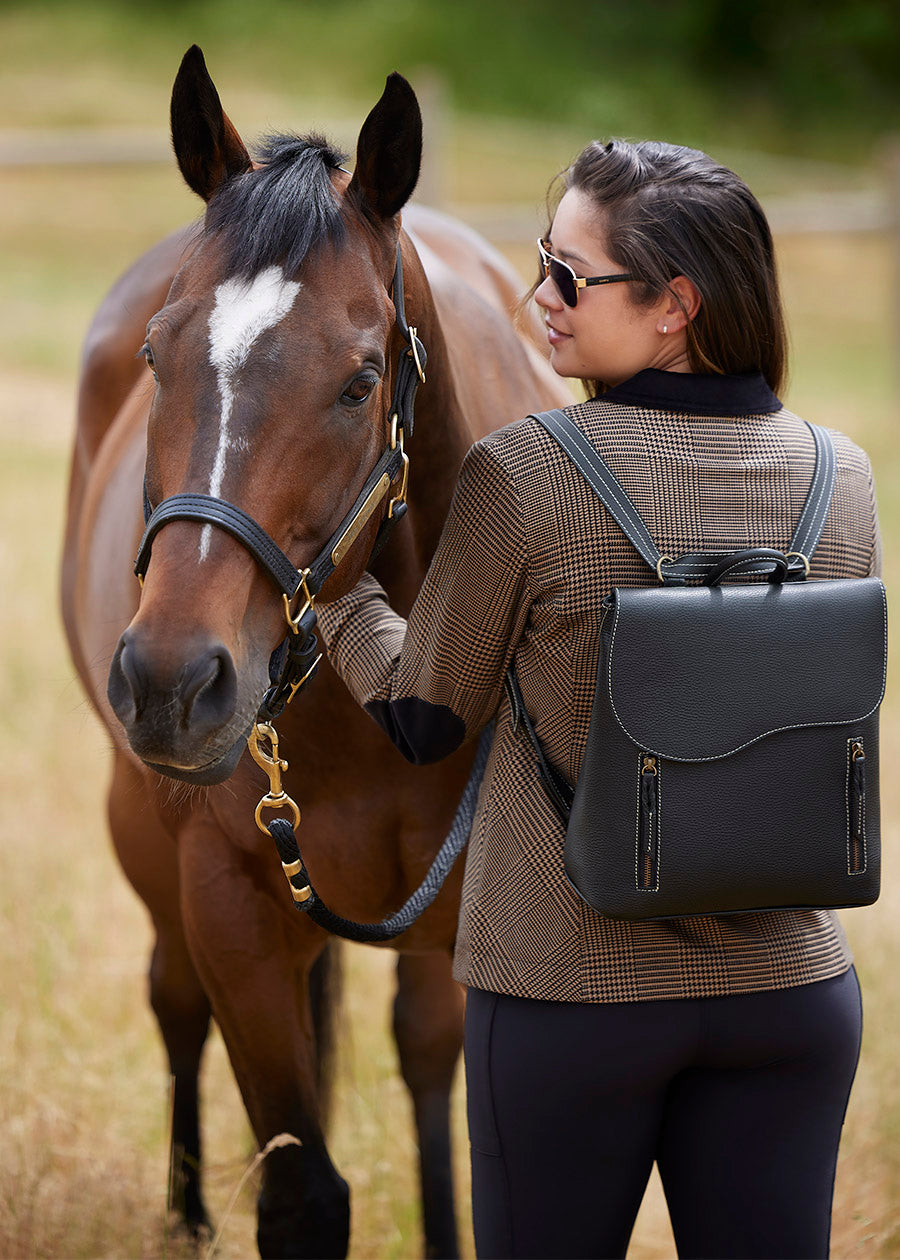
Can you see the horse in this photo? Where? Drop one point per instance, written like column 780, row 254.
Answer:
column 268, row 340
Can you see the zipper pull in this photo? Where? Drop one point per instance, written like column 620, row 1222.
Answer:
column 649, row 775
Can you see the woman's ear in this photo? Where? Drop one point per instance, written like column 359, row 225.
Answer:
column 679, row 306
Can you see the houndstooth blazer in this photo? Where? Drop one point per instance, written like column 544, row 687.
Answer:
column 526, row 557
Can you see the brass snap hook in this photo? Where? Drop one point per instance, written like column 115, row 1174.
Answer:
column 276, row 797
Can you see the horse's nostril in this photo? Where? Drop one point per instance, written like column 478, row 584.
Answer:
column 208, row 689
column 198, row 677
column 143, row 693
column 124, row 686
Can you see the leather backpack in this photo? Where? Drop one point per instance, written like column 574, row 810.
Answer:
column 732, row 756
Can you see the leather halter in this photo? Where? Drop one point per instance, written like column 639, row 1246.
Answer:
column 293, row 664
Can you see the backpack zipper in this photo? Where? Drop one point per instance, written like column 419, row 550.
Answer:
column 648, row 836
column 857, row 806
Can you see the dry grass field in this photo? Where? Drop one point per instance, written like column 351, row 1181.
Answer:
column 83, row 1087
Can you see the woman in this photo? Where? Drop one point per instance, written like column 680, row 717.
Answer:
column 722, row 1048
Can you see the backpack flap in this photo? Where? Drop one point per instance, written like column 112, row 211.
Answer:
column 695, row 674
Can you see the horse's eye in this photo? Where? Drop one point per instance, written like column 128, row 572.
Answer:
column 146, row 353
column 359, row 389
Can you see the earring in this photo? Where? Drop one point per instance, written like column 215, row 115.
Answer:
column 665, row 328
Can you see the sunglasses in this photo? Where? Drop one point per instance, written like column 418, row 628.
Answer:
column 565, row 278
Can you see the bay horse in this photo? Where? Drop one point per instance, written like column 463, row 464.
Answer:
column 269, row 340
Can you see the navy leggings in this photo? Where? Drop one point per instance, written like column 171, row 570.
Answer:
column 740, row 1101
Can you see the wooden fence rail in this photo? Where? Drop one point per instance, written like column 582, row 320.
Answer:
column 835, row 210
column 856, row 210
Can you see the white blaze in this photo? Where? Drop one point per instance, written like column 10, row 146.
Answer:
column 243, row 310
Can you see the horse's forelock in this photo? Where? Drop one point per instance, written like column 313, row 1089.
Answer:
column 275, row 215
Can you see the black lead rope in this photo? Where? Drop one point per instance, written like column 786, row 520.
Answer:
column 308, row 901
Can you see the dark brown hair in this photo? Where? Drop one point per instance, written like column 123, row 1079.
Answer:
column 668, row 211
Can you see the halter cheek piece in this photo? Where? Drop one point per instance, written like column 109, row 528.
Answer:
column 293, row 664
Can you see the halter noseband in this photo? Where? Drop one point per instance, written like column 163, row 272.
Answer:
column 293, row 663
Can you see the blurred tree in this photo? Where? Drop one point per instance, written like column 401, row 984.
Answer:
column 799, row 75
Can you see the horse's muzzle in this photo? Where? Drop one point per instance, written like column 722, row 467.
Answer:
column 180, row 715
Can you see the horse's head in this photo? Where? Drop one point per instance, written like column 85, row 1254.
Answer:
column 273, row 360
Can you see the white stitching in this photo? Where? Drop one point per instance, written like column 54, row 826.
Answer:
column 822, row 499
column 819, row 506
column 655, row 887
column 847, row 804
column 855, row 739
column 819, row 512
column 794, row 726
column 637, row 829
column 815, row 488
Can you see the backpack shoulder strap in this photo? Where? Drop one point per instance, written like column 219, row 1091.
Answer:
column 603, row 481
column 818, row 499
column 598, row 474
column 596, row 471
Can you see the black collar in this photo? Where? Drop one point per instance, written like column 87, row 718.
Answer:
column 744, row 395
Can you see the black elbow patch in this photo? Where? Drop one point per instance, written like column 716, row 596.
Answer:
column 422, row 731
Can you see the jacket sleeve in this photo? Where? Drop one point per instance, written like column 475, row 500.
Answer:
column 436, row 680
column 876, row 556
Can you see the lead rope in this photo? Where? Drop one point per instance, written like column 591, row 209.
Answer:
column 306, row 899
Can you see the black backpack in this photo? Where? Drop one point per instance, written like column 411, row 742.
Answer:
column 732, row 756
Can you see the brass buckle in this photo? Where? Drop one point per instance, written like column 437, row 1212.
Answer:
column 295, row 687
column 309, row 600
column 659, row 564
column 397, row 436
column 413, row 349
column 801, row 556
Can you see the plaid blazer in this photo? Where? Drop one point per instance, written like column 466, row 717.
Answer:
column 526, row 557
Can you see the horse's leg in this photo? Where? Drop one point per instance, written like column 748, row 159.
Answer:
column 428, row 1022
column 254, row 953
column 147, row 853
column 325, row 986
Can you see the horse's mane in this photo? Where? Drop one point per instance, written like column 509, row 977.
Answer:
column 277, row 214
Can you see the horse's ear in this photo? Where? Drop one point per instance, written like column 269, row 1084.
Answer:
column 389, row 151
column 207, row 146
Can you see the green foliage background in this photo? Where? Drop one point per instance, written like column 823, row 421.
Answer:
column 816, row 77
